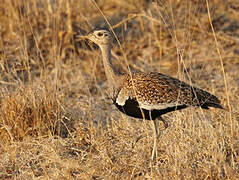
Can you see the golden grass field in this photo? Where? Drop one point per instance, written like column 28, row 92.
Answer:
column 56, row 120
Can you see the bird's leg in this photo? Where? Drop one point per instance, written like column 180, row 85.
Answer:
column 164, row 122
column 156, row 133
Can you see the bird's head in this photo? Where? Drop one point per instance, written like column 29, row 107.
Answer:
column 99, row 36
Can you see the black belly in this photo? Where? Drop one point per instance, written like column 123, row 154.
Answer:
column 131, row 108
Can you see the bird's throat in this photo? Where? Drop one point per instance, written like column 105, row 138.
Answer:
column 108, row 66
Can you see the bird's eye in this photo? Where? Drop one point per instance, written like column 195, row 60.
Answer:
column 100, row 34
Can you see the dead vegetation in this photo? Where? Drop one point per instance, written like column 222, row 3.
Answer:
column 56, row 120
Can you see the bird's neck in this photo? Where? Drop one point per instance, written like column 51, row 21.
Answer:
column 110, row 72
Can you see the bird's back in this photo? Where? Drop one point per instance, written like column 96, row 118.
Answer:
column 156, row 91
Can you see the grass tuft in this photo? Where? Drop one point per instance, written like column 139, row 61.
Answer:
column 29, row 111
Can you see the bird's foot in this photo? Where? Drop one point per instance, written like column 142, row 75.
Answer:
column 165, row 123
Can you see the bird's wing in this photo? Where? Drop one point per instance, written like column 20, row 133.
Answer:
column 150, row 91
column 158, row 91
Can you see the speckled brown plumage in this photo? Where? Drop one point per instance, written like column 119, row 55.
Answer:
column 160, row 94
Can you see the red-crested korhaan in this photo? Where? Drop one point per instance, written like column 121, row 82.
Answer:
column 147, row 95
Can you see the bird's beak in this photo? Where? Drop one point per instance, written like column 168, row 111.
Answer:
column 79, row 37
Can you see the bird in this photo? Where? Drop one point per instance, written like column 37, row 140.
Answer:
column 147, row 95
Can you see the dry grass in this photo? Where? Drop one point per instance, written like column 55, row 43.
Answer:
column 56, row 121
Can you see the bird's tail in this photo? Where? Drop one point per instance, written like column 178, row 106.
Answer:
column 205, row 99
